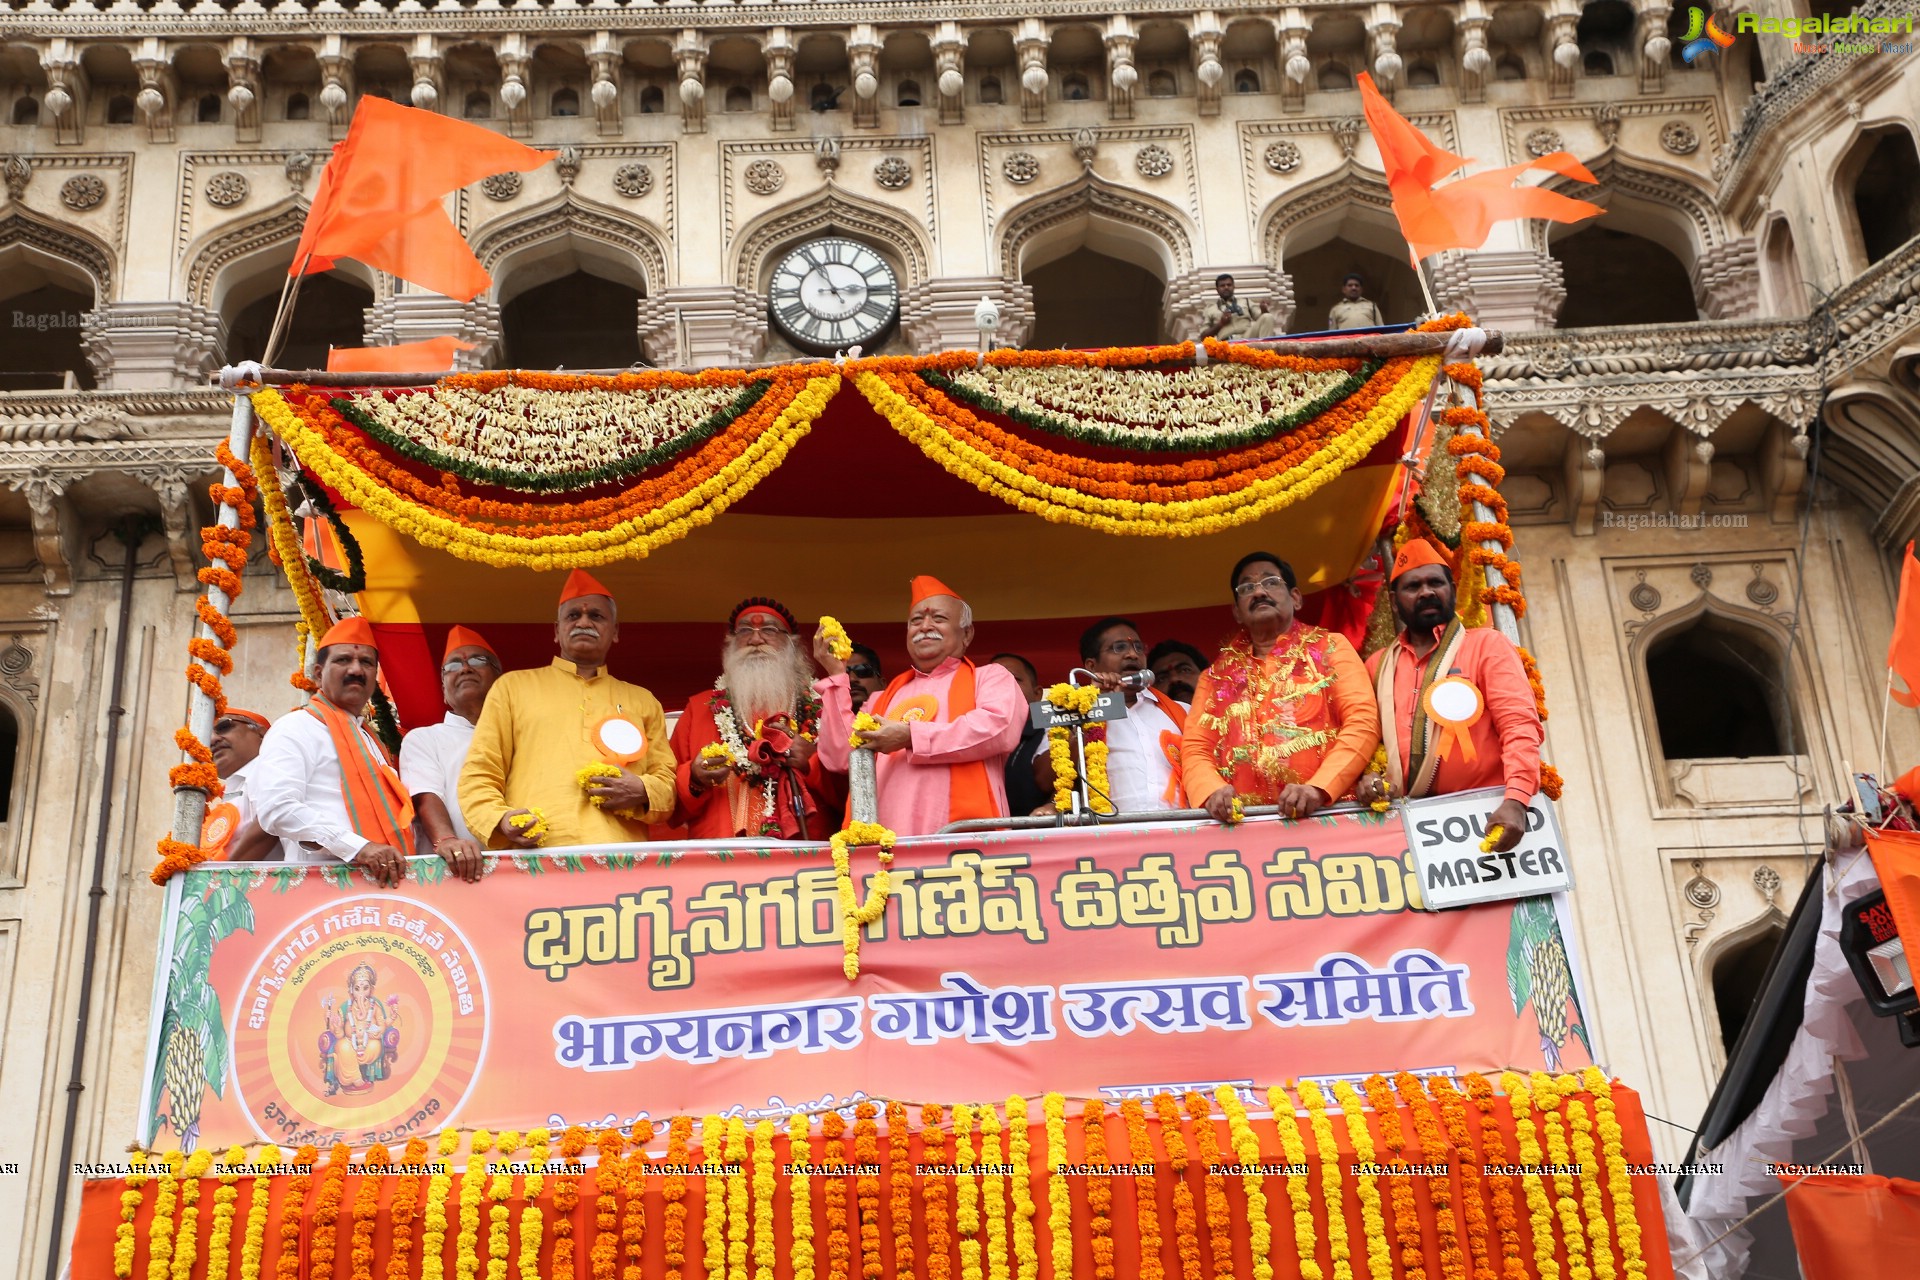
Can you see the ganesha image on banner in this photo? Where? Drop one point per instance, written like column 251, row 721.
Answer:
column 362, row 1037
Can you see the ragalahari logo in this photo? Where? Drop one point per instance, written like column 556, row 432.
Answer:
column 1702, row 35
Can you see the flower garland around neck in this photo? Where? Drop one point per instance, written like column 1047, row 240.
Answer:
column 1406, row 1216
column 1493, row 1151
column 1473, row 1198
column 1206, row 1141
column 900, row 1186
column 1026, row 1253
column 1246, row 1153
column 934, row 1193
column 738, row 1220
column 1593, row 1180
column 326, row 1210
column 220, row 1241
column 993, row 1193
column 1186, row 1223
column 253, row 1245
column 1547, row 1096
column 1373, row 1219
column 856, row 915
column 187, row 1242
column 473, row 1185
column 1327, row 1153
column 800, row 1195
column 1146, row 1190
column 130, row 1197
column 400, row 1214
column 292, row 1213
column 1078, row 702
column 433, row 1235
column 1527, row 1144
column 633, row 1178
column 366, row 1212
column 736, row 746
column 1306, row 1242
column 1434, row 1150
column 673, row 1194
column 966, row 1218
column 833, row 1132
column 566, row 1198
column 765, row 1247
column 1059, row 1198
column 1626, row 1218
column 713, row 1218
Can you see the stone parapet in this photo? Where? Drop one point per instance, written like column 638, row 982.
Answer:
column 1501, row 290
column 940, row 315
column 152, row 346
column 703, row 327
column 416, row 317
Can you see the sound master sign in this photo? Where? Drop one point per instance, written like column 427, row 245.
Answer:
column 1445, row 834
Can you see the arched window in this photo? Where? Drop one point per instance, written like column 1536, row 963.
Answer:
column 298, row 107
column 908, row 94
column 1161, row 84
column 823, row 97
column 1087, row 299
column 1597, row 64
column 331, row 313
column 653, row 100
column 208, row 111
column 582, row 321
column 1074, row 88
column 1509, row 68
column 120, row 109
column 1615, row 277
column 1718, row 692
column 1738, row 973
column 565, row 102
column 40, row 342
column 1884, row 173
column 1334, row 76
column 990, row 94
column 1246, row 81
column 1422, row 75
column 479, row 105
column 26, row 111
column 739, row 98
column 9, row 758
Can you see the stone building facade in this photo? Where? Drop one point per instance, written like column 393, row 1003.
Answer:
column 1707, row 402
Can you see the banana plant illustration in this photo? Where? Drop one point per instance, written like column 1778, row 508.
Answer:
column 1538, row 974
column 193, row 1033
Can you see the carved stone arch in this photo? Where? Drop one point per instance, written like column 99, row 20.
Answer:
column 220, row 259
column 1674, row 210
column 1349, row 186
column 632, row 249
column 70, row 246
column 824, row 213
column 1769, row 920
column 1133, row 227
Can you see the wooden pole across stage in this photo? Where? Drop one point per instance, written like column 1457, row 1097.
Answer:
column 1371, row 346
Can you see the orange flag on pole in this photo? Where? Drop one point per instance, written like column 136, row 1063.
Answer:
column 379, row 196
column 1903, row 654
column 435, row 355
column 1849, row 1226
column 1460, row 214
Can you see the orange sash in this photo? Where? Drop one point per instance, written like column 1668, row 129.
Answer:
column 969, row 795
column 378, row 807
column 1176, row 792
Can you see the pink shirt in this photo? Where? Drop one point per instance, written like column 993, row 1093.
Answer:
column 915, row 784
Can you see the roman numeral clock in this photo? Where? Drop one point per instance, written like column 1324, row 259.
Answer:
column 833, row 293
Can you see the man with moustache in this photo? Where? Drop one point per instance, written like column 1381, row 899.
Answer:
column 1143, row 749
column 1504, row 734
column 1176, row 668
column 432, row 756
column 864, row 674
column 541, row 727
column 228, row 831
column 946, row 725
column 764, row 697
column 1284, row 716
column 323, row 784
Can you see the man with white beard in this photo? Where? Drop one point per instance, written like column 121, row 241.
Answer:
column 744, row 749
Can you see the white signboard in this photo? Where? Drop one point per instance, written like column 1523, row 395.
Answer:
column 1445, row 833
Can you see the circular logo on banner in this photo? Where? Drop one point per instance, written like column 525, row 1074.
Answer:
column 366, row 1020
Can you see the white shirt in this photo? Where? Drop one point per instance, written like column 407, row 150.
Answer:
column 236, row 791
column 295, row 790
column 1137, row 766
column 430, row 761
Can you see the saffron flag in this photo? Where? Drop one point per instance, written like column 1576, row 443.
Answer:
column 1853, row 1226
column 1896, row 860
column 1903, row 652
column 1460, row 214
column 379, row 196
column 435, row 355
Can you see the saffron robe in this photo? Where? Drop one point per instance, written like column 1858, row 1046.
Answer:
column 737, row 807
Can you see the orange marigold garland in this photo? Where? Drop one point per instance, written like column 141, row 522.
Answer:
column 933, row 1192
column 633, row 1180
column 1186, row 1226
column 1406, row 1217
column 866, row 1188
column 674, row 1194
column 1206, row 1140
column 400, row 1214
column 800, row 1194
column 292, row 1212
column 1146, row 1190
column 566, row 1198
column 605, row 1254
column 900, row 1178
column 1433, row 1150
column 1493, row 1151
column 1093, row 1125
column 1473, row 1208
column 366, row 1211
column 833, row 1128
column 326, row 1212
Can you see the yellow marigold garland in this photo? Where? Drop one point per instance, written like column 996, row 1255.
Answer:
column 993, row 1193
column 1059, row 1199
column 130, row 1197
column 566, row 1198
column 499, row 1221
column 220, row 1241
column 833, row 1158
column 1246, row 1152
column 366, row 1212
column 800, row 1194
column 855, row 915
column 1206, row 1140
column 1332, row 1193
column 1186, row 1225
column 866, row 1187
column 186, row 1244
column 1026, row 1254
column 160, row 1231
column 284, row 548
column 1626, row 1220
column 934, row 1193
column 472, row 1187
column 1546, row 1094
column 253, row 1247
column 1539, row 1207
column 838, row 642
column 967, row 1206
column 1379, row 1253
column 1306, row 1242
column 900, row 1182
column 1493, row 1151
column 588, row 773
column 673, row 1193
column 532, row 1230
column 765, row 1251
column 736, row 1198
column 433, row 1236
column 1146, row 1190
column 1592, row 1185
column 1093, row 1125
column 1074, row 701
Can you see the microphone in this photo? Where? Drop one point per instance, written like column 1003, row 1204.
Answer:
column 1138, row 681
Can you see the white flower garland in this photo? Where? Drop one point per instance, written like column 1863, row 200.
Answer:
column 731, row 737
column 1146, row 404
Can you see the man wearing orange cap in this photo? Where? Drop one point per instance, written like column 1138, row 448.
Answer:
column 322, row 783
column 228, row 830
column 765, row 715
column 1495, row 743
column 431, row 757
column 541, row 728
column 1283, row 716
column 947, row 725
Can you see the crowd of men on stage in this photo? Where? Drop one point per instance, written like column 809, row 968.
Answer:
column 567, row 754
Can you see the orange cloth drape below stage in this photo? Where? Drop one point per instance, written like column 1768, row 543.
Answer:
column 1854, row 1226
column 100, row 1210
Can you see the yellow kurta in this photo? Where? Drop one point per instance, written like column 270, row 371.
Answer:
column 534, row 738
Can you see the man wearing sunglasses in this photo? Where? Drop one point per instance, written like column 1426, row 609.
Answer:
column 865, row 676
column 1286, row 714
column 229, row 830
column 431, row 757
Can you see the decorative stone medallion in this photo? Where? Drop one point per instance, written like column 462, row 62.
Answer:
column 764, row 177
column 1153, row 161
column 1543, row 140
column 1021, row 168
column 501, row 186
column 1678, row 137
column 227, row 189
column 83, row 191
column 893, row 173
column 633, row 180
column 1283, row 157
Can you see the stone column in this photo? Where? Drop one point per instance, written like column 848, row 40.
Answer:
column 950, row 69
column 1292, row 30
column 690, row 57
column 1475, row 59
column 153, row 346
column 1189, row 293
column 1030, row 45
column 780, row 86
column 701, row 326
column 938, row 315
column 1207, row 67
column 416, row 317
column 1500, row 289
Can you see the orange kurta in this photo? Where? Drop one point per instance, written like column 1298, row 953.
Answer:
column 1506, row 738
column 1303, row 712
column 739, row 806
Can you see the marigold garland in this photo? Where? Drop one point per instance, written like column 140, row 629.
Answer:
column 187, row 1243
column 130, row 1197
column 993, row 1193
column 838, row 642
column 1453, row 1263
column 900, row 1182
column 1053, row 1109
column 934, row 1192
column 292, row 1212
column 160, row 1230
column 326, row 1212
column 1146, row 1190
column 400, row 1214
column 220, row 1240
column 1539, row 1208
column 472, row 1187
column 855, row 915
column 1306, row 1243
column 587, row 773
column 1546, row 1095
column 1626, row 1219
column 737, row 1220
column 1327, row 1153
column 800, row 1194
column 283, row 547
column 254, row 1247
column 1093, row 1126
column 499, row 1221
column 1026, row 1255
column 366, row 1210
column 967, row 1204
column 764, row 1190
column 634, row 1169
column 713, row 1218
column 1592, row 1185
column 1373, row 1219
column 1246, row 1152
column 1206, row 1141
column 532, row 1227
column 1186, row 1225
column 866, row 1187
column 833, row 1158
column 1473, row 1208
column 1493, row 1151
column 433, row 1239
column 1406, row 1217
column 566, row 1198
column 604, row 1257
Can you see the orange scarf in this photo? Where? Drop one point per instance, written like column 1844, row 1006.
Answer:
column 378, row 807
column 969, row 795
column 1176, row 792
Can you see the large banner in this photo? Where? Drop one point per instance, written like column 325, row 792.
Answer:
column 581, row 986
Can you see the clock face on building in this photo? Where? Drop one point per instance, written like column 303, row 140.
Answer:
column 833, row 293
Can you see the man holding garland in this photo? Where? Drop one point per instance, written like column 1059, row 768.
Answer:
column 1284, row 716
column 1490, row 739
column 946, row 725
column 746, row 747
column 566, row 754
